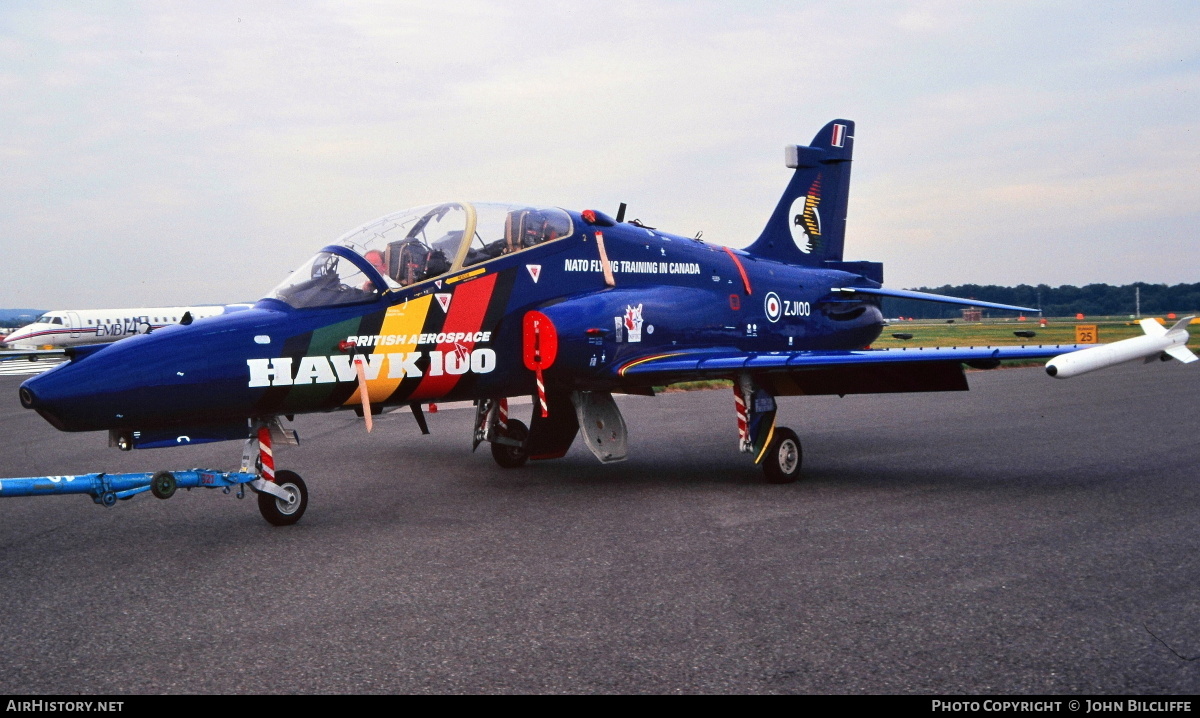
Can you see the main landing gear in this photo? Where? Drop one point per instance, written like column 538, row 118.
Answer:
column 509, row 437
column 558, row 420
column 282, row 497
column 777, row 448
column 781, row 463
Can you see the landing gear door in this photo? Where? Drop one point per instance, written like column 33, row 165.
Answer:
column 603, row 427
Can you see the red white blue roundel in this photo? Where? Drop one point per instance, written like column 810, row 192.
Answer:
column 773, row 306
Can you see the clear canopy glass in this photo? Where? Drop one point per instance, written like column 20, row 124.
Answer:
column 326, row 280
column 420, row 244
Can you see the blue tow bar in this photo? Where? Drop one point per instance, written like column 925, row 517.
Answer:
column 106, row 489
column 282, row 495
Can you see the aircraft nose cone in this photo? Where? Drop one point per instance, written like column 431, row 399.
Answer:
column 89, row 392
column 158, row 380
column 44, row 395
column 32, row 398
column 151, row 381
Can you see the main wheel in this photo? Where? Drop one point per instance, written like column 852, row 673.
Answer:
column 284, row 513
column 782, row 461
column 512, row 457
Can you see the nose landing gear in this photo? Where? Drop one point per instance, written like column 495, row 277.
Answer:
column 509, row 437
column 280, row 511
column 282, row 497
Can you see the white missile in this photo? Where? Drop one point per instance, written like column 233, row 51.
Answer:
column 1157, row 342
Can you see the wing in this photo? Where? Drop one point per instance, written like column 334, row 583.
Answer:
column 75, row 352
column 29, row 361
column 30, row 354
column 927, row 297
column 864, row 371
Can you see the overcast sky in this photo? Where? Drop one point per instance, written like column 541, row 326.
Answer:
column 175, row 153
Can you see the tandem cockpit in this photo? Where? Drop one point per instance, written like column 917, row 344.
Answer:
column 417, row 245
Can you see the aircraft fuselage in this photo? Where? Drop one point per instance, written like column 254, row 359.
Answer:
column 460, row 336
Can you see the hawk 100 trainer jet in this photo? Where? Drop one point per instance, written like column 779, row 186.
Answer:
column 483, row 302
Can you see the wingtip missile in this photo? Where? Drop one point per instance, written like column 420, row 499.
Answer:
column 1156, row 342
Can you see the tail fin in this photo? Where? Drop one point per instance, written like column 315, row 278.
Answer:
column 808, row 226
column 1151, row 327
column 1180, row 351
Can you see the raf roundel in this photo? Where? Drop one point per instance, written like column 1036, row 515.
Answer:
column 773, row 306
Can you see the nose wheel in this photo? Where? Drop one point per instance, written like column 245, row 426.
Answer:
column 284, row 512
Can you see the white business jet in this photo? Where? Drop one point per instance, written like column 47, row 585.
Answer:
column 73, row 327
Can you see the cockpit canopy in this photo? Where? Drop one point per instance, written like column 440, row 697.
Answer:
column 416, row 245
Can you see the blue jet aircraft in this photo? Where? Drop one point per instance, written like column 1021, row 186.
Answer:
column 483, row 302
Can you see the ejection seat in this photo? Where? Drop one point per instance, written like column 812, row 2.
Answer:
column 410, row 261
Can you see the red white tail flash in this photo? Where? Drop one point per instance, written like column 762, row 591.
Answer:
column 839, row 136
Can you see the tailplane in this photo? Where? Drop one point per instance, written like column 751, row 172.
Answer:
column 808, row 226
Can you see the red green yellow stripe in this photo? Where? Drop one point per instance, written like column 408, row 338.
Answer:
column 643, row 360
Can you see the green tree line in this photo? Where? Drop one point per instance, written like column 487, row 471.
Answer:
column 1067, row 300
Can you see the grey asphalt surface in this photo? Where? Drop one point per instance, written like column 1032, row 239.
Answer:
column 1030, row 536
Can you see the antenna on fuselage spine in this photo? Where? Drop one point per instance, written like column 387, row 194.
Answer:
column 621, row 213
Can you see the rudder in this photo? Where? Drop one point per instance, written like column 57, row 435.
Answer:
column 808, row 226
